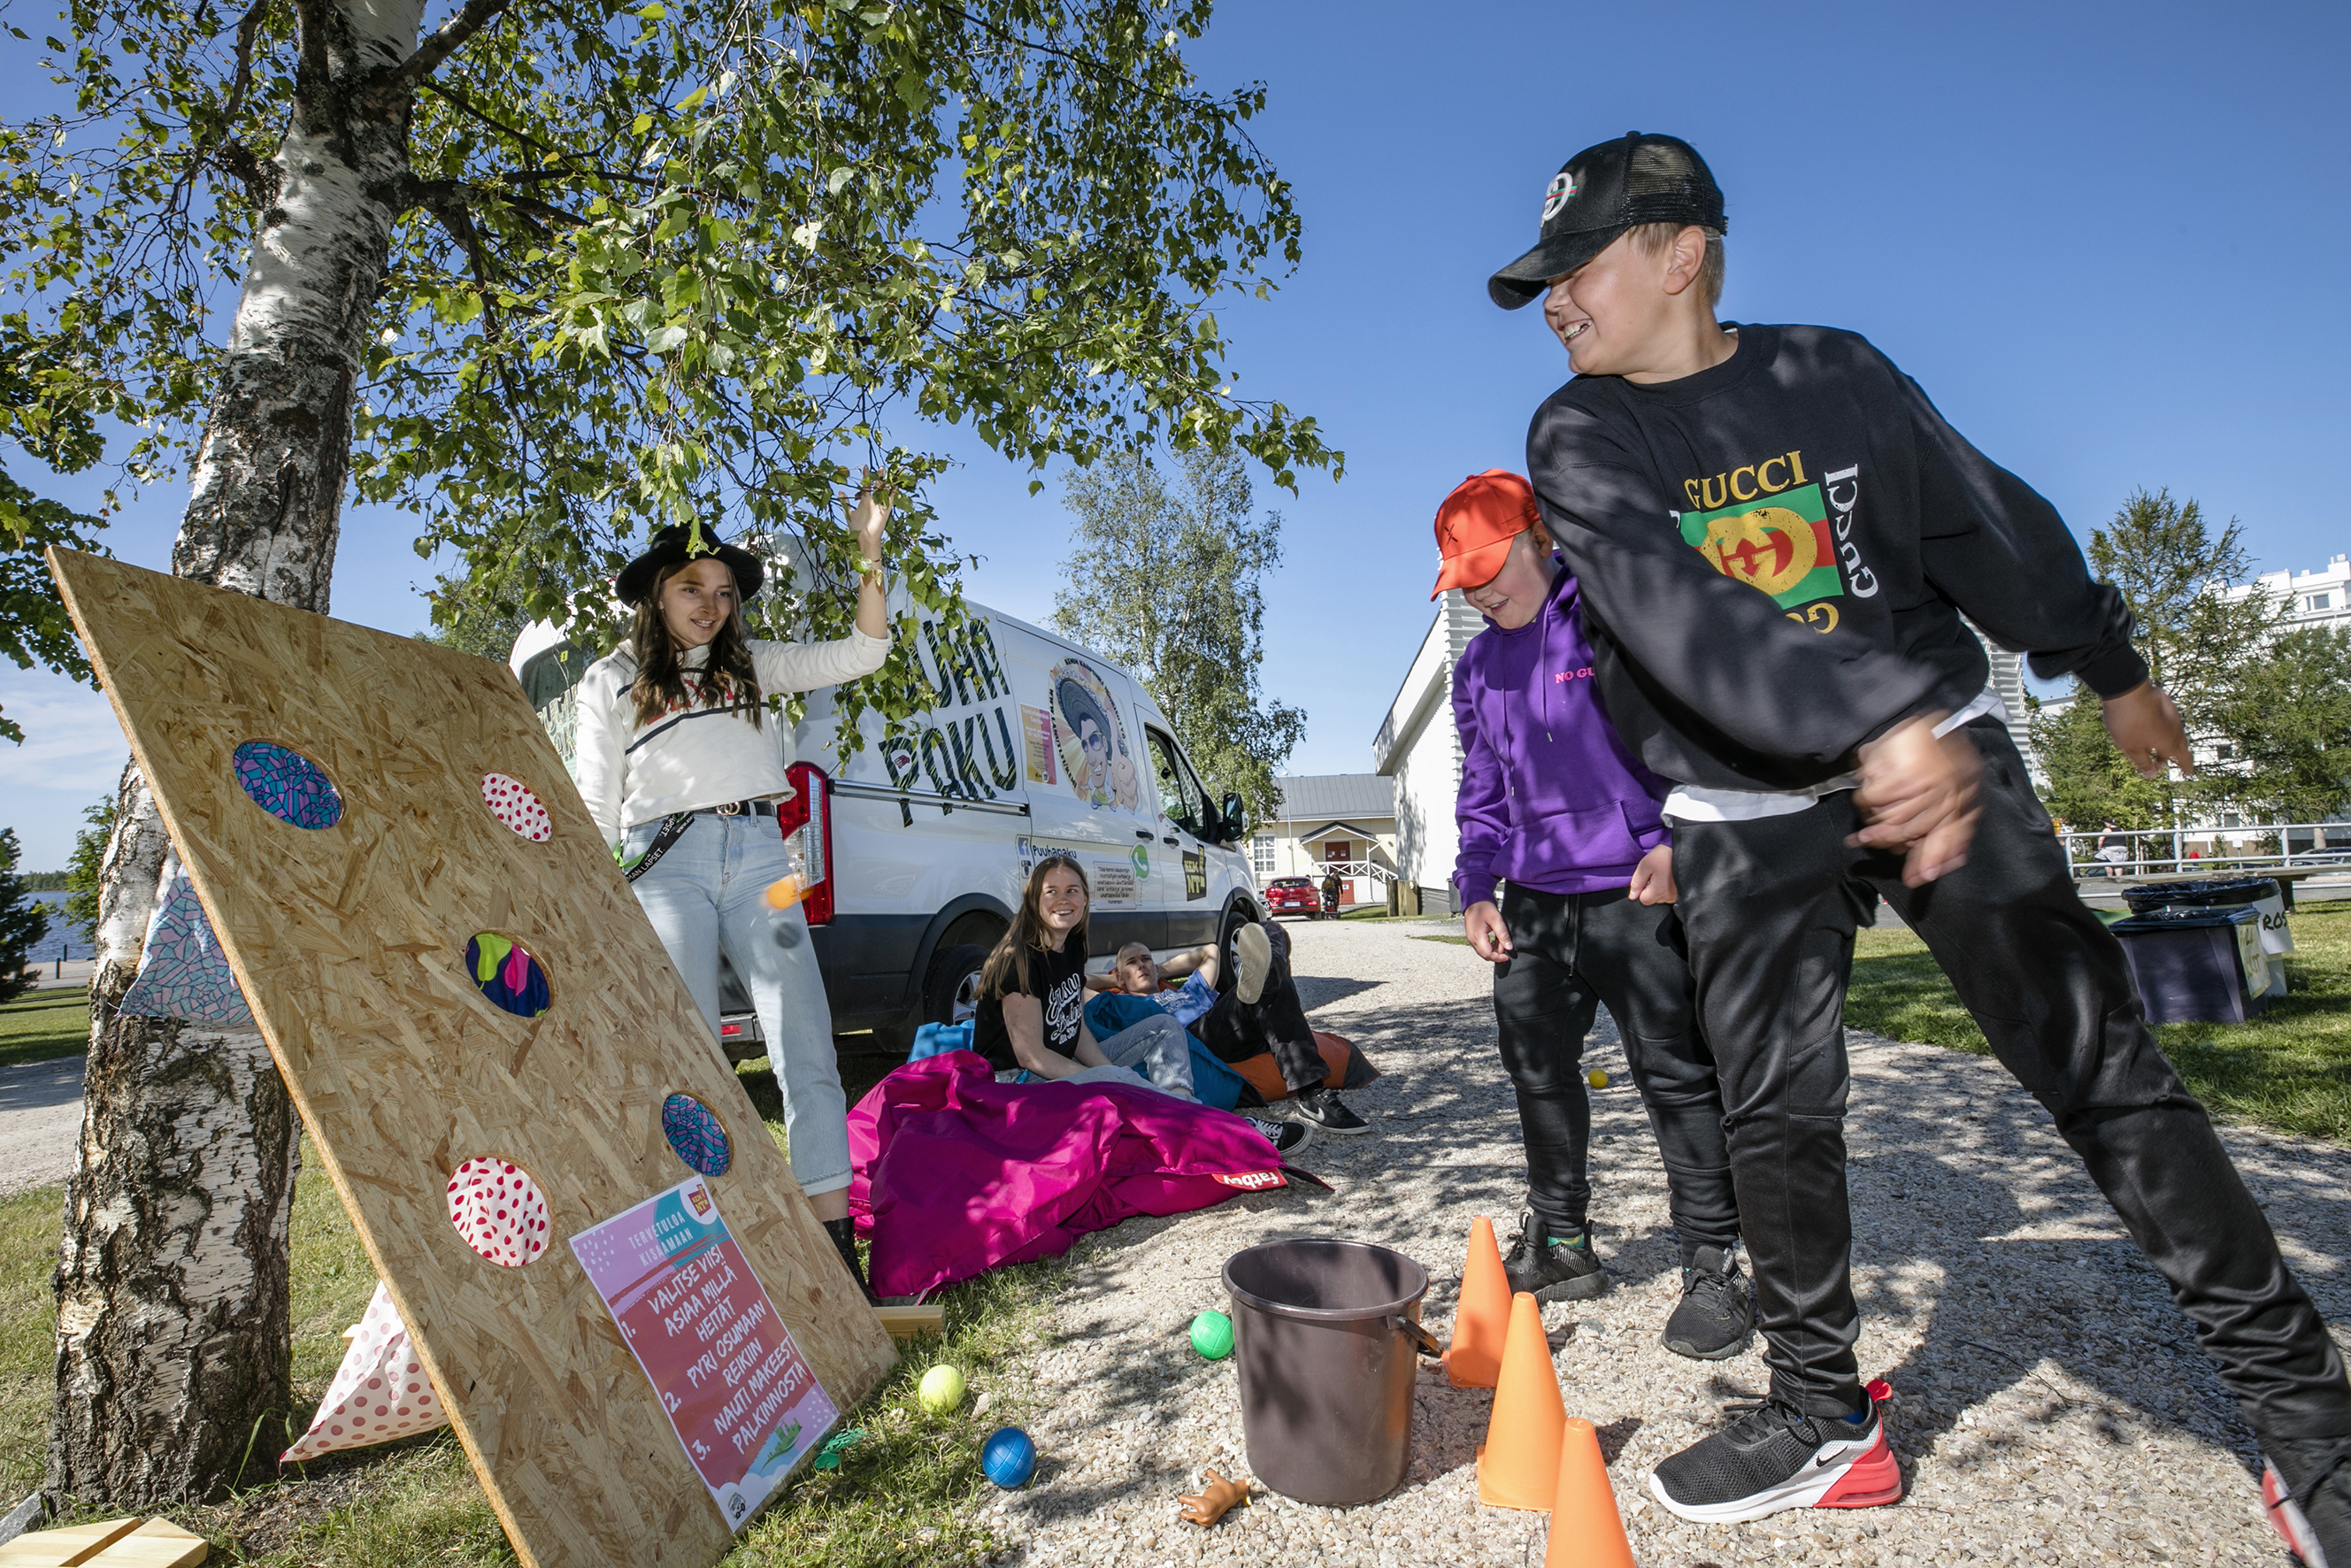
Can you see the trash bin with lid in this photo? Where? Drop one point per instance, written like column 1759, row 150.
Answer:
column 2197, row 965
column 2259, row 893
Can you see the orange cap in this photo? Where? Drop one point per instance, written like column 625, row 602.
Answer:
column 1476, row 524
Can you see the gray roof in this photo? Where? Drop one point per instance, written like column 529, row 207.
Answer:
column 1323, row 796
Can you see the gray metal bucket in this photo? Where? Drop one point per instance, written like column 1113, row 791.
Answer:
column 1324, row 1332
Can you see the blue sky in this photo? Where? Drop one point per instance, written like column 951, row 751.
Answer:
column 2107, row 239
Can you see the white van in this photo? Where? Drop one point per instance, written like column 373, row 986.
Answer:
column 915, row 859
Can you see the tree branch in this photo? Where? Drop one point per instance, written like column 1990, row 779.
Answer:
column 445, row 41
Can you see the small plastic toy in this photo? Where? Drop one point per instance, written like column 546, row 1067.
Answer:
column 1212, row 1335
column 941, row 1390
column 829, row 1456
column 1210, row 1503
column 1008, row 1458
column 1598, row 1078
column 785, row 892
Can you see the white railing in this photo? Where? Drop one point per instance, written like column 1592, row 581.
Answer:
column 1380, row 876
column 2257, row 847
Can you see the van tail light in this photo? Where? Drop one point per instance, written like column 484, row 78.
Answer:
column 807, row 823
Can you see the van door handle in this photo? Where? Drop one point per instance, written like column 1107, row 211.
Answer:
column 1167, row 841
column 1143, row 833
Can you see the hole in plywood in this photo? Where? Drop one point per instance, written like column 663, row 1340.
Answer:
column 287, row 784
column 695, row 1135
column 507, row 974
column 515, row 803
column 497, row 1210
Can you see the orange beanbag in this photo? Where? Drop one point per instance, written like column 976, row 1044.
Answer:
column 1346, row 1066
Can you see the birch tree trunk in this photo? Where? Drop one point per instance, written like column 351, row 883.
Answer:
column 172, row 1333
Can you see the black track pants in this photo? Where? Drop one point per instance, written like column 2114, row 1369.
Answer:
column 1570, row 953
column 1236, row 1030
column 1769, row 907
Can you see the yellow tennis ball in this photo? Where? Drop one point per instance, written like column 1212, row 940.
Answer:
column 941, row 1390
column 1597, row 1078
column 783, row 893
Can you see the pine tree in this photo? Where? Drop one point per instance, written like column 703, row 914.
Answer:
column 1167, row 580
column 21, row 924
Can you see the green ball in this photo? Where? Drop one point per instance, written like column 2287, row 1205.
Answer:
column 941, row 1390
column 1212, row 1335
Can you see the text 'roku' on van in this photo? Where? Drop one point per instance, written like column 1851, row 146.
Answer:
column 915, row 856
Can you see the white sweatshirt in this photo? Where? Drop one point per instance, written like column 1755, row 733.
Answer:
column 694, row 756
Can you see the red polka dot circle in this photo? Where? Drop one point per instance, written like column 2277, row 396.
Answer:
column 498, row 1209
column 511, row 801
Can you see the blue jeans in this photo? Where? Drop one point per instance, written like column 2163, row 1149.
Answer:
column 708, row 895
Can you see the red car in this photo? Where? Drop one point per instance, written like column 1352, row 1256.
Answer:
column 1293, row 895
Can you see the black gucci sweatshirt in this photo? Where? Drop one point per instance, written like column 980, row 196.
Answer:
column 1774, row 554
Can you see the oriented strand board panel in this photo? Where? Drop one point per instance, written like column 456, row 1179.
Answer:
column 350, row 941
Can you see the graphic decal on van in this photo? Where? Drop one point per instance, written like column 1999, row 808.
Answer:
column 1196, row 874
column 1092, row 737
column 969, row 756
column 1036, row 742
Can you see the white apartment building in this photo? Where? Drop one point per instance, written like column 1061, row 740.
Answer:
column 2321, row 598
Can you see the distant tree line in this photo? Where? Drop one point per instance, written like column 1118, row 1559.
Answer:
column 2268, row 704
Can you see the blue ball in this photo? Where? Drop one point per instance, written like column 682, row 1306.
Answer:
column 1008, row 1458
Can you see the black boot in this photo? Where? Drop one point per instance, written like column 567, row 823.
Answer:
column 844, row 1241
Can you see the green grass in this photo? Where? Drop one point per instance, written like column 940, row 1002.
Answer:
column 904, row 1494
column 1457, row 941
column 29, row 1224
column 2290, row 1069
column 40, row 1026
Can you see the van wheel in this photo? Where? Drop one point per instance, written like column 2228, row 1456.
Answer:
column 951, row 991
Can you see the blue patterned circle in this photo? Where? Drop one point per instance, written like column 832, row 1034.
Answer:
column 695, row 1134
column 287, row 785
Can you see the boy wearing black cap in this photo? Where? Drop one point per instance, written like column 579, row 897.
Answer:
column 1776, row 534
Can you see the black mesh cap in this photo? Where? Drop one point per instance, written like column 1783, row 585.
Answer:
column 1602, row 191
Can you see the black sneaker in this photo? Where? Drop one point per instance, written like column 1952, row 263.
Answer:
column 1321, row 1109
column 2306, row 1491
column 1717, row 1316
column 1552, row 1268
column 1773, row 1457
column 1287, row 1137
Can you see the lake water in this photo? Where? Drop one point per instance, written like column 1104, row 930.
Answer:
column 60, row 940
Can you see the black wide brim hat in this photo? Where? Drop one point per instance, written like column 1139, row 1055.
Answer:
column 1598, row 194
column 675, row 545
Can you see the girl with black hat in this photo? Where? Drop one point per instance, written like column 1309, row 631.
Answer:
column 682, row 774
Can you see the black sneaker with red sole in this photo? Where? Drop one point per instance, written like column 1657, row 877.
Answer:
column 1775, row 1458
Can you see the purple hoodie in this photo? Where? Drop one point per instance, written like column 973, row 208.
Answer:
column 1549, row 798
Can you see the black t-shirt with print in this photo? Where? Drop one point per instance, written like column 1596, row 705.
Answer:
column 1807, row 466
column 1059, row 982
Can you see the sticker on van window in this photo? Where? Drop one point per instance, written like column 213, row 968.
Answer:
column 1037, row 741
column 1091, row 738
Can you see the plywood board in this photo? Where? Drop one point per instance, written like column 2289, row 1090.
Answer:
column 64, row 1547
column 157, row 1544
column 348, row 942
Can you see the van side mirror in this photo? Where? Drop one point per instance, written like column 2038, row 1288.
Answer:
column 1236, row 818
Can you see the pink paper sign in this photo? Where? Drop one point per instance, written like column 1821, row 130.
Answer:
column 737, row 1390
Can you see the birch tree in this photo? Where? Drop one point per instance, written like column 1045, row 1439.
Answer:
column 547, row 275
column 1168, row 579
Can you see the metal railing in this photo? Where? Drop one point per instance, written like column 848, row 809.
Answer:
column 2254, row 847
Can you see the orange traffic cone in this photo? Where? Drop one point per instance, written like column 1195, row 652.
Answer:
column 1585, row 1530
column 1518, row 1464
column 1483, row 1316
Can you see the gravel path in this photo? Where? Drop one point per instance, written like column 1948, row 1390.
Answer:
column 2051, row 1406
column 40, row 1117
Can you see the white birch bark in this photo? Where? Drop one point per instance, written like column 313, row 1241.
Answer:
column 172, row 1333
